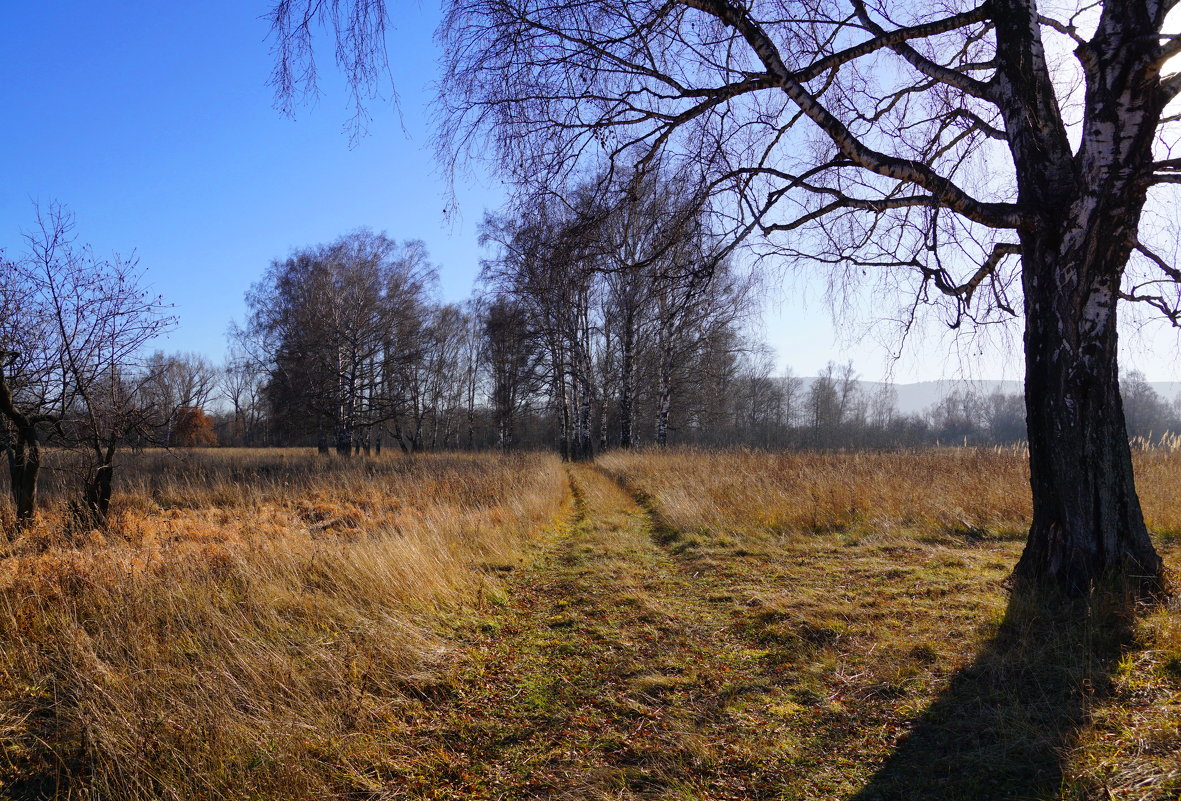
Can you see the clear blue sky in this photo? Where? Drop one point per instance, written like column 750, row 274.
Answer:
column 154, row 124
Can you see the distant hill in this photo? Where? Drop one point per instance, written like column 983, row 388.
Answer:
column 919, row 396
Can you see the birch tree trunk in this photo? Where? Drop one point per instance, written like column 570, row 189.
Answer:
column 666, row 392
column 563, row 412
column 1087, row 522
column 586, row 448
column 626, row 390
column 344, row 440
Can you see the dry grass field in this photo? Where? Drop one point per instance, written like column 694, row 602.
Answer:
column 251, row 620
column 681, row 625
column 875, row 583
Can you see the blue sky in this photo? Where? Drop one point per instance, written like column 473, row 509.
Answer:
column 153, row 123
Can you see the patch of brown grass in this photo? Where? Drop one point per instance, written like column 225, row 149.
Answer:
column 250, row 623
column 954, row 490
column 812, row 626
column 875, row 584
column 936, row 490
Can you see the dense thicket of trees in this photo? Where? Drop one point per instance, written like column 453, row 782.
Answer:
column 346, row 346
column 592, row 327
column 626, row 308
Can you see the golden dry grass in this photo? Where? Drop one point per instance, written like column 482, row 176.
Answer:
column 806, row 626
column 928, row 490
column 250, row 622
column 877, row 582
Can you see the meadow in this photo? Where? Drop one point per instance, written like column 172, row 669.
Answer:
column 682, row 624
column 249, row 622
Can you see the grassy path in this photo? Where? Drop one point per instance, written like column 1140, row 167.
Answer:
column 608, row 671
column 629, row 660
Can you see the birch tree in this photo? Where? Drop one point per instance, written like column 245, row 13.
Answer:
column 241, row 385
column 995, row 157
column 511, row 355
column 541, row 267
column 341, row 329
column 995, row 154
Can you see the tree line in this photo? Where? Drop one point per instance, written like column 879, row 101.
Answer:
column 73, row 327
column 593, row 326
column 602, row 318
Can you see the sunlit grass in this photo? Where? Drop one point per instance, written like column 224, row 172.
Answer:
column 876, row 583
column 275, row 624
column 250, row 622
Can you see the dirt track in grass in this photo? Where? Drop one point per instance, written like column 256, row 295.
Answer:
column 606, row 672
column 629, row 660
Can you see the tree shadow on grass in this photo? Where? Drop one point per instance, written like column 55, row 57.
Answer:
column 1003, row 727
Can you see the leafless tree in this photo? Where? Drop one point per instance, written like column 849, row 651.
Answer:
column 665, row 285
column 359, row 29
column 422, row 390
column 74, row 357
column 1005, row 418
column 628, row 300
column 176, row 385
column 454, row 363
column 418, row 362
column 241, row 384
column 694, row 310
column 469, row 367
column 341, row 330
column 823, row 402
column 758, row 399
column 512, row 358
column 883, row 405
column 793, row 391
column 959, row 149
column 626, row 308
column 1149, row 415
column 30, row 395
column 544, row 266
